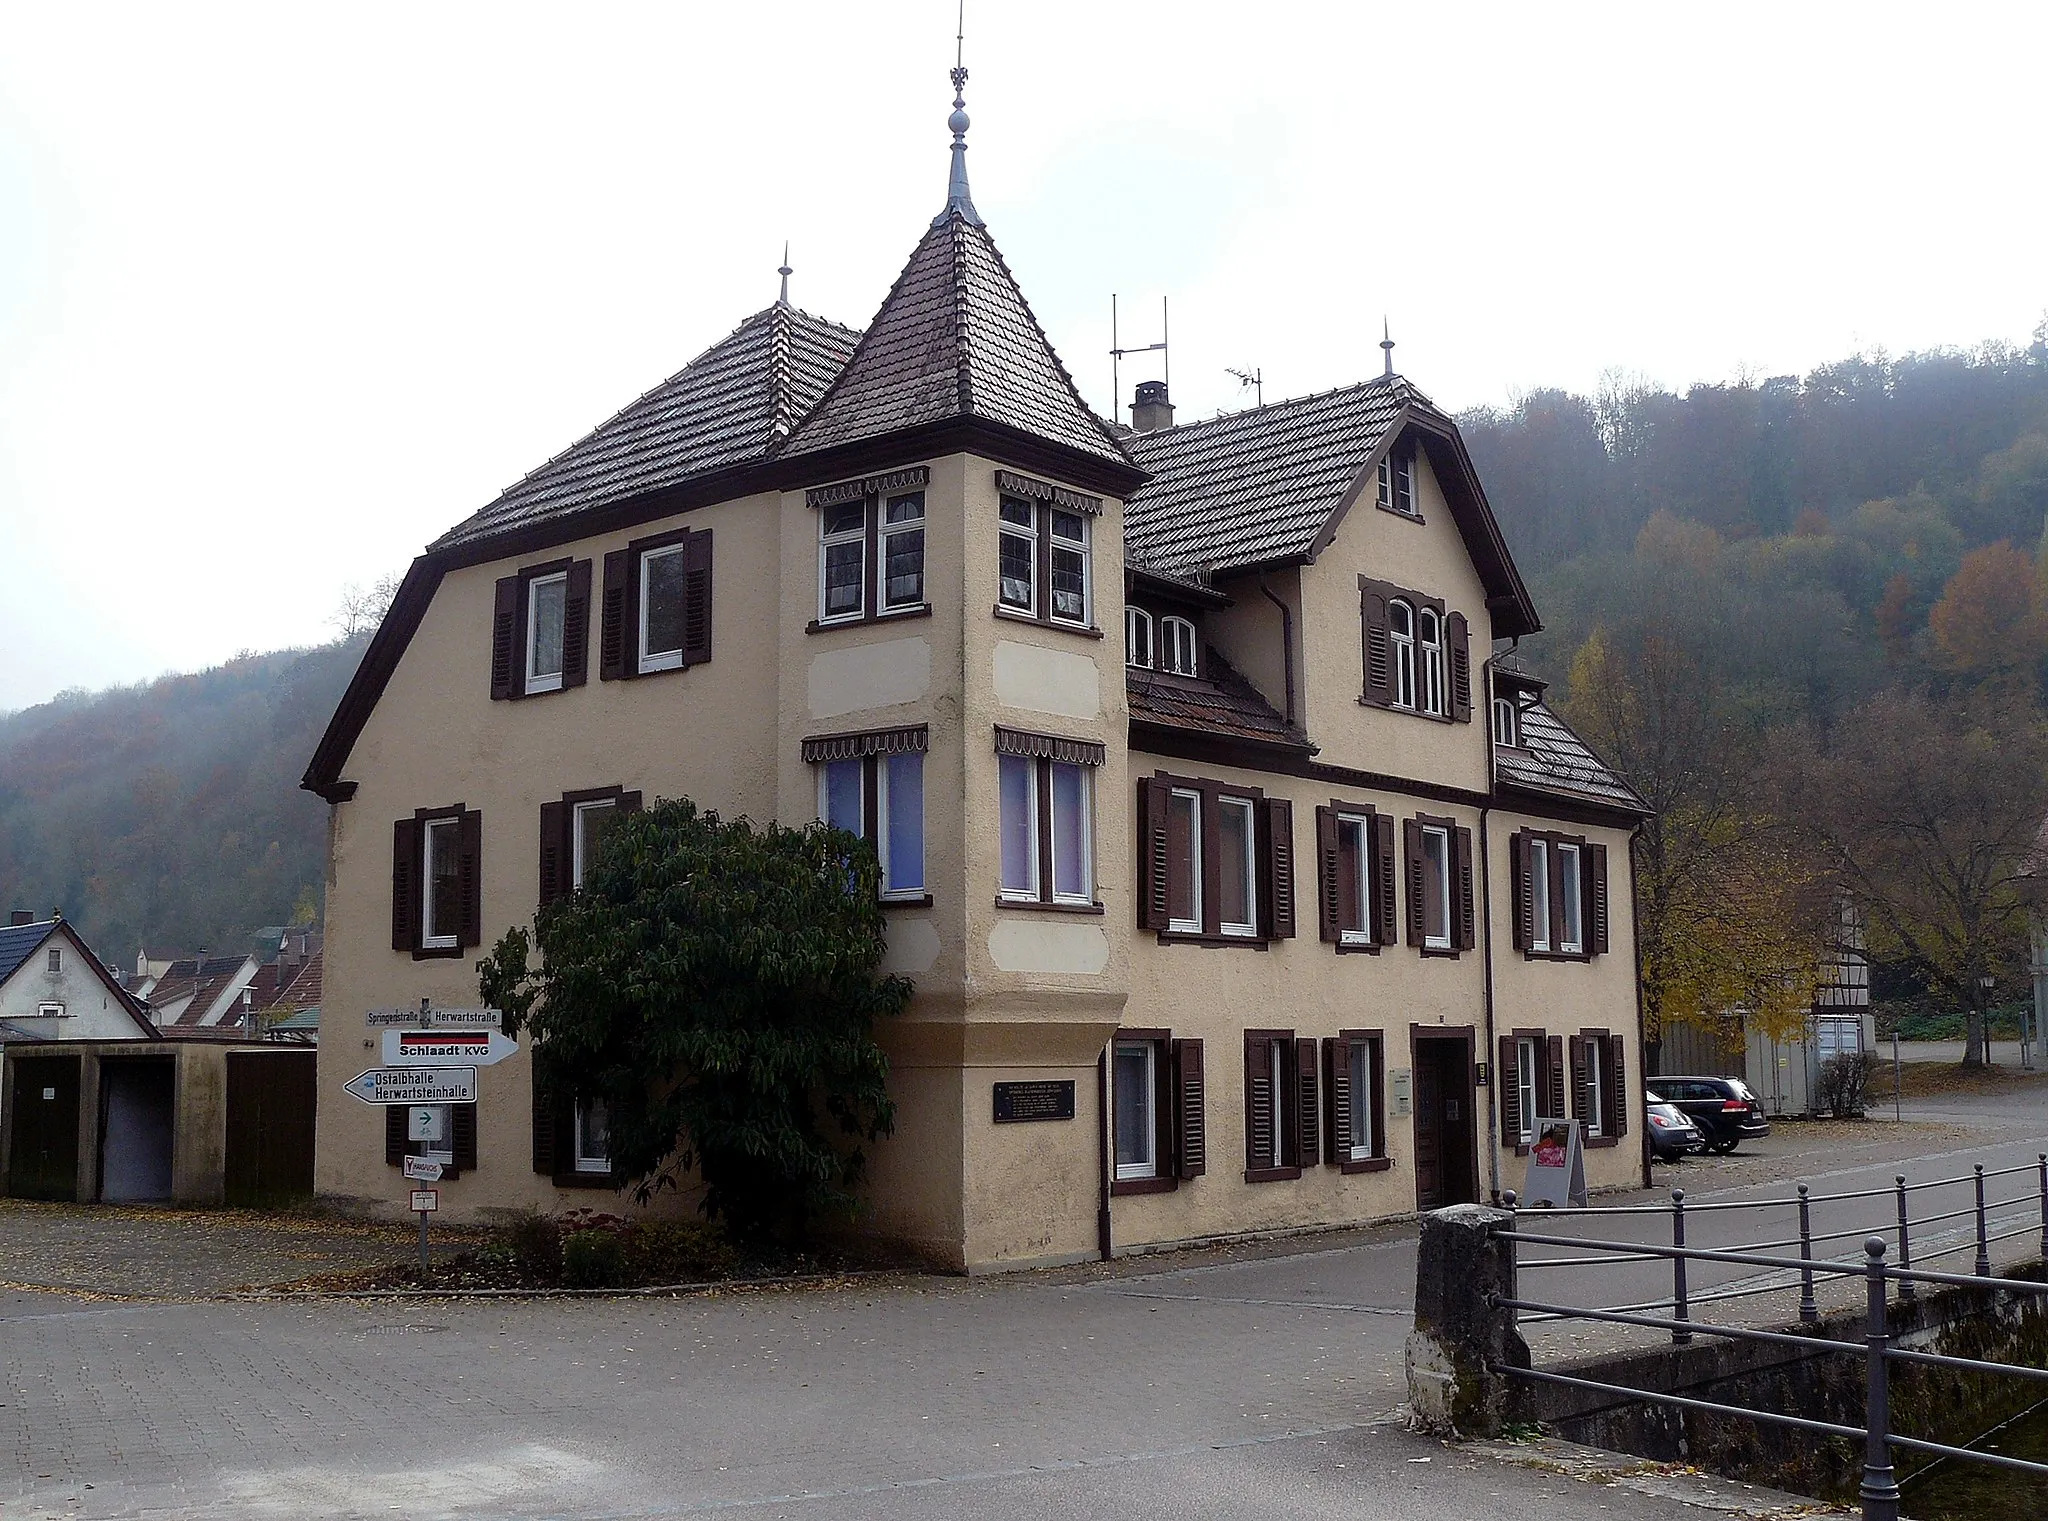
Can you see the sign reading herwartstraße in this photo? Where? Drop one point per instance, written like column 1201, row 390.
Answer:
column 426, row 1018
column 414, row 1085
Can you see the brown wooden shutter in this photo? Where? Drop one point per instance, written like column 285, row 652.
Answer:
column 1617, row 1089
column 1337, row 1084
column 1308, row 1107
column 462, row 1121
column 1411, row 847
column 1258, row 1102
column 1518, row 885
column 1277, row 875
column 1152, row 854
column 505, row 640
column 470, row 865
column 697, row 598
column 1191, row 1150
column 1464, row 934
column 396, row 1145
column 543, row 1131
column 405, row 885
column 1593, row 871
column 1376, row 1074
column 554, row 851
column 576, row 626
column 1507, row 1090
column 1327, row 890
column 611, row 637
column 1578, row 1059
column 629, row 802
column 1553, row 1048
column 1384, row 918
column 1379, row 670
column 1458, row 643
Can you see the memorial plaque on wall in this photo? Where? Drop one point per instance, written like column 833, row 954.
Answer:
column 1019, row 1102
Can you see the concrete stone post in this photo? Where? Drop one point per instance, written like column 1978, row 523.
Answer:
column 1462, row 1263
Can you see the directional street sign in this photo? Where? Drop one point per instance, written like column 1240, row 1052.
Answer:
column 420, row 1170
column 414, row 1085
column 428, row 1018
column 446, row 1048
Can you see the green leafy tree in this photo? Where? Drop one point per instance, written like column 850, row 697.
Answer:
column 716, row 985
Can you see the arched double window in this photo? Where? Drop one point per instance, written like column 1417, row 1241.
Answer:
column 1401, row 636
column 1177, row 646
column 1138, row 638
column 1429, row 640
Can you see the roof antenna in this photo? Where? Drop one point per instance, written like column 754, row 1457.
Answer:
column 1117, row 352
column 785, row 272
column 1250, row 380
column 1386, row 348
column 957, row 198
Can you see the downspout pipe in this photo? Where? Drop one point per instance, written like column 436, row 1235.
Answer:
column 1491, row 1141
column 1286, row 644
column 1105, row 1247
column 1635, row 935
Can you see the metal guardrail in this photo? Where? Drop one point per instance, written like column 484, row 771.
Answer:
column 1879, row 1490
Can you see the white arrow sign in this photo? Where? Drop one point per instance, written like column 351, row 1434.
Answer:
column 414, row 1085
column 421, row 1170
column 446, row 1048
column 427, row 1018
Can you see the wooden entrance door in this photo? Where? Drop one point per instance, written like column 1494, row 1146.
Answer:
column 42, row 1158
column 270, row 1127
column 1444, row 1149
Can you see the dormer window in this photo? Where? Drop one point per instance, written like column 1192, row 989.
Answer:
column 1177, row 646
column 1138, row 638
column 1506, row 725
column 1397, row 484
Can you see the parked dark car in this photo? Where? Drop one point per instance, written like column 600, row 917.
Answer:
column 1672, row 1135
column 1723, row 1107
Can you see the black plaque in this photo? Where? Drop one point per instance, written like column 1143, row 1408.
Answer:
column 1017, row 1103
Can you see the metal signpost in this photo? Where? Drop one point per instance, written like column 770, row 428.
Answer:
column 424, row 1202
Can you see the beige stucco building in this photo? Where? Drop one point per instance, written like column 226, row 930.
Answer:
column 1243, row 888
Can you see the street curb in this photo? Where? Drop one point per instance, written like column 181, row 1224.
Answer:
column 669, row 1290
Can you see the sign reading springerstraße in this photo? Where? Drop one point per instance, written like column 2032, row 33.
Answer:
column 434, row 1019
column 414, row 1085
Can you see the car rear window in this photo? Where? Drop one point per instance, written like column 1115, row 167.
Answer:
column 1741, row 1089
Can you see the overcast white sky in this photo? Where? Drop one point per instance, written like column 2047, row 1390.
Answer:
column 287, row 290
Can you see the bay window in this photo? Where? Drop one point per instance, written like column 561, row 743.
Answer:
column 1045, row 800
column 1044, row 550
column 872, row 786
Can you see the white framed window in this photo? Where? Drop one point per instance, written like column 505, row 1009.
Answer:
column 56, row 961
column 1017, row 553
column 1429, row 661
column 1539, row 895
column 1177, row 646
column 1397, row 483
column 842, row 561
column 1072, row 826
column 1184, row 884
column 547, row 601
column 1504, row 725
column 431, row 1129
column 1135, row 1096
column 1017, row 786
column 1137, row 638
column 593, row 1136
column 1570, row 901
column 49, row 1011
column 1401, row 639
column 1436, row 860
column 1236, row 865
column 880, row 798
column 587, row 824
column 441, row 871
column 1071, row 572
column 1358, row 1054
column 662, row 599
column 1354, row 885
column 902, row 552
column 1525, row 1089
column 1596, row 1086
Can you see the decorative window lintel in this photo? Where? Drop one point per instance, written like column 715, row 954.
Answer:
column 837, row 747
column 1071, row 752
column 874, row 485
column 1045, row 491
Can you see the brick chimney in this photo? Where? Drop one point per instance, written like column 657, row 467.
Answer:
column 1151, row 411
column 21, row 916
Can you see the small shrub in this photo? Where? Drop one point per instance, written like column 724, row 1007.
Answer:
column 1839, row 1085
column 676, row 1251
column 592, row 1259
column 535, row 1242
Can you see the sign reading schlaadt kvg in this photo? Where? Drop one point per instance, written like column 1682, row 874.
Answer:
column 414, row 1085
column 446, row 1048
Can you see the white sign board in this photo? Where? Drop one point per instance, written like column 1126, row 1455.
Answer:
column 446, row 1048
column 428, row 1018
column 424, row 1202
column 414, row 1085
column 1557, row 1167
column 420, row 1170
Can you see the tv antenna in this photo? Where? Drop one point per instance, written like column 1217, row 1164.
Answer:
column 1250, row 380
column 1116, row 357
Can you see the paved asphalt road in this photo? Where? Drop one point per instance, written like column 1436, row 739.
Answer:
column 1248, row 1384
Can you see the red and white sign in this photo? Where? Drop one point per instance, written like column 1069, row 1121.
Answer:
column 446, row 1048
column 425, row 1200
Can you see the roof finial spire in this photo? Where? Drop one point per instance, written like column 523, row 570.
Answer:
column 1387, row 348
column 957, row 197
column 785, row 272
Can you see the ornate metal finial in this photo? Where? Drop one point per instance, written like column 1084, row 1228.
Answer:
column 957, row 196
column 1387, row 348
column 785, row 272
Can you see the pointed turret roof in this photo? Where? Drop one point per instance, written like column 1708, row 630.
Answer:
column 955, row 340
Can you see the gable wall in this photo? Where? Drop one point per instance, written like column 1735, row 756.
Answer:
column 91, row 1011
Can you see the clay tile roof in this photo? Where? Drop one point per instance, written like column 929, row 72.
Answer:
column 203, row 998
column 1256, row 486
column 954, row 338
column 1219, row 701
column 18, row 942
column 304, row 991
column 729, row 406
column 1552, row 759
